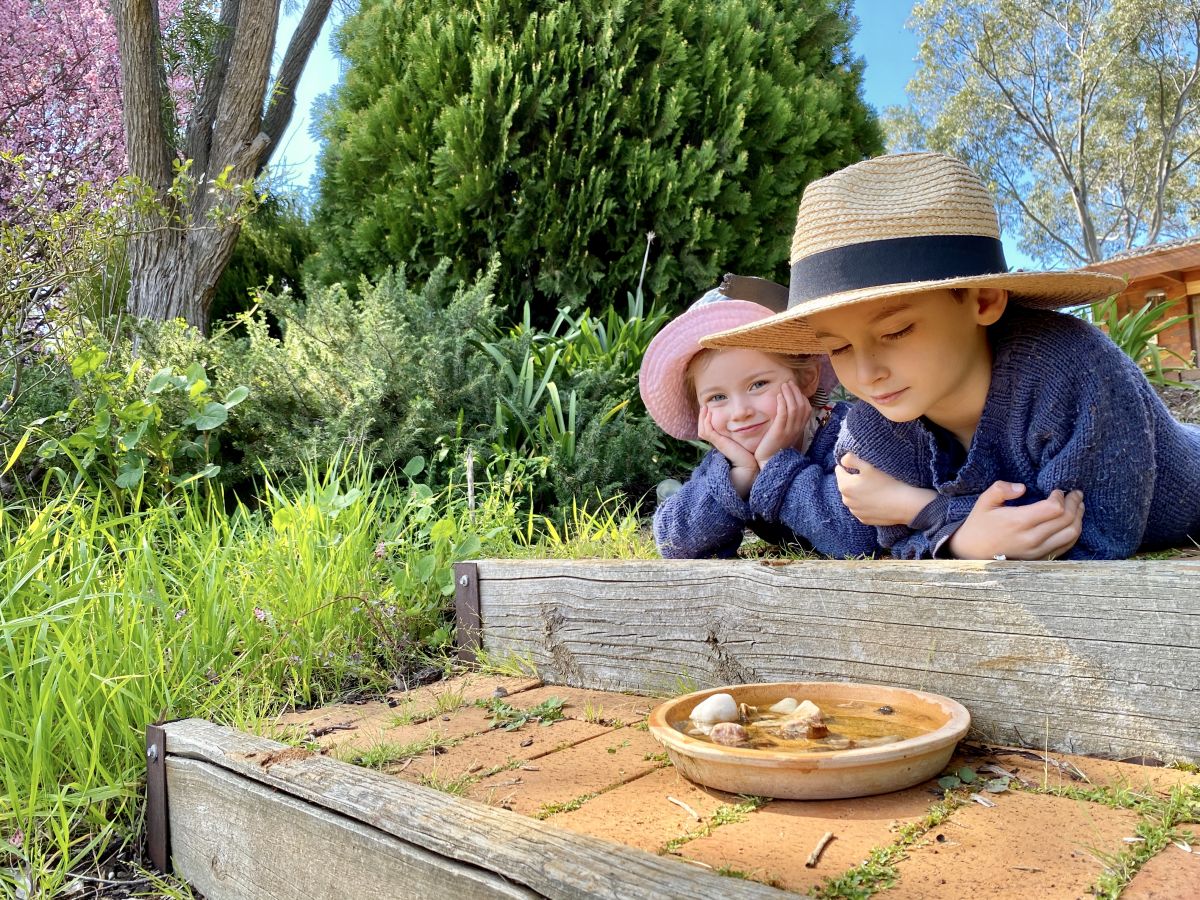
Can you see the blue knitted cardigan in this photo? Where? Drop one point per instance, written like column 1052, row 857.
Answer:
column 1065, row 409
column 794, row 500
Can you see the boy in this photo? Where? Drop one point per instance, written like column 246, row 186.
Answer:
column 1041, row 438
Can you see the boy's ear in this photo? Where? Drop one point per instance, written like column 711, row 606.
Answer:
column 990, row 304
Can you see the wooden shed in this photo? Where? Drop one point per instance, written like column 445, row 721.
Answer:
column 1169, row 271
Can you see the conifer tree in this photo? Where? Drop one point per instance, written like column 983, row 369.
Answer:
column 557, row 133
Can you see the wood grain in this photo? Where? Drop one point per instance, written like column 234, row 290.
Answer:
column 363, row 815
column 235, row 839
column 1098, row 657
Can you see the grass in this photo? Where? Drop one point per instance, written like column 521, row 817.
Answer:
column 878, row 871
column 385, row 753
column 325, row 590
column 1160, row 821
column 725, row 814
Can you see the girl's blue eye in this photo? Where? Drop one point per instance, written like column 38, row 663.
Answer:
column 896, row 335
column 757, row 384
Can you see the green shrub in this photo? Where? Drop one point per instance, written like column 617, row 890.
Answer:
column 553, row 134
column 1136, row 333
column 389, row 371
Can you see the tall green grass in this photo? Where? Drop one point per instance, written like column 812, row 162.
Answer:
column 111, row 619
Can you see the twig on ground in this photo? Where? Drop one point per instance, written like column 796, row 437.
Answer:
column 695, row 815
column 818, row 850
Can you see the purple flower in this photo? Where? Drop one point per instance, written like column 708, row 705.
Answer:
column 260, row 614
column 17, row 838
column 179, row 614
column 380, row 550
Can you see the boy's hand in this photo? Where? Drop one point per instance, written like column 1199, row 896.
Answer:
column 743, row 467
column 1043, row 530
column 792, row 412
column 876, row 498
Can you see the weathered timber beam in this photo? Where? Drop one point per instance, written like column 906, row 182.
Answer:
column 1098, row 657
column 251, row 818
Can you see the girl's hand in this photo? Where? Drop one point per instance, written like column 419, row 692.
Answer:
column 743, row 467
column 1043, row 530
column 876, row 498
column 792, row 412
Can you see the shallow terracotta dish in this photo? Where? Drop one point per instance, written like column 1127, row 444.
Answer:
column 824, row 775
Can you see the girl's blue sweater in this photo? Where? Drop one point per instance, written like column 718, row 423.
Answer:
column 1066, row 409
column 794, row 500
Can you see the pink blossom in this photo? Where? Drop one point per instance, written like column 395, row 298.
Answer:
column 60, row 98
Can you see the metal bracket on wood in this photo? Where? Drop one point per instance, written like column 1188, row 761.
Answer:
column 468, row 625
column 158, row 838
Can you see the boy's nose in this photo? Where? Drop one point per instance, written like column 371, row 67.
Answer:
column 870, row 368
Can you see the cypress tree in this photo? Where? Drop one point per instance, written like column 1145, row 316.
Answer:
column 557, row 133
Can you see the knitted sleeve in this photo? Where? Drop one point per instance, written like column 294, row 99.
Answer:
column 799, row 490
column 1098, row 437
column 705, row 517
column 894, row 449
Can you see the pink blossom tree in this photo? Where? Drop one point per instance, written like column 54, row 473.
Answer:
column 60, row 101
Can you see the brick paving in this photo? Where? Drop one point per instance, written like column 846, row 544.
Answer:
column 1062, row 825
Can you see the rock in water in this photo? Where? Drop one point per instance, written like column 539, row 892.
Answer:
column 731, row 734
column 717, row 708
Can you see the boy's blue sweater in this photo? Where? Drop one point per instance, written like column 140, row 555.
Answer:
column 1066, row 409
column 794, row 500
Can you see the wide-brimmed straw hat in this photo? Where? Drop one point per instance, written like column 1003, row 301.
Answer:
column 739, row 300
column 898, row 225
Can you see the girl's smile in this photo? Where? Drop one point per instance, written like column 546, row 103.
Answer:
column 740, row 389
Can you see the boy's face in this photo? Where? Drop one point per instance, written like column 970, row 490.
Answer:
column 740, row 389
column 920, row 355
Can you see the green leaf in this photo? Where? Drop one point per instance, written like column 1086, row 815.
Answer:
column 236, row 396
column 469, row 547
column 211, row 416
column 425, row 567
column 949, row 782
column 12, row 457
column 443, row 529
column 160, row 381
column 130, row 474
column 86, row 362
column 131, row 439
column 967, row 775
column 996, row 786
column 414, row 466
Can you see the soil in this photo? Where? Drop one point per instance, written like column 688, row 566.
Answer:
column 1184, row 403
column 597, row 771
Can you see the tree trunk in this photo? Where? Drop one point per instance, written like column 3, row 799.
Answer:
column 181, row 249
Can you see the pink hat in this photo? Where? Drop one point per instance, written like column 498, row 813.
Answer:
column 664, row 366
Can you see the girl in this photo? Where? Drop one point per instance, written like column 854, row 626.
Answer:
column 772, row 467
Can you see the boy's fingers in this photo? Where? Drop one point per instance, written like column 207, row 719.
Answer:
column 998, row 494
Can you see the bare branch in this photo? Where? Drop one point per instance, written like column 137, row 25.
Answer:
column 283, row 94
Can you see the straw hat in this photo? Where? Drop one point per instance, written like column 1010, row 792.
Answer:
column 663, row 376
column 893, row 226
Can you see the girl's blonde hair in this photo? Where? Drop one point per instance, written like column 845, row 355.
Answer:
column 803, row 367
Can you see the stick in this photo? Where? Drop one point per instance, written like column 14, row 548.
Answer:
column 818, row 850
column 695, row 815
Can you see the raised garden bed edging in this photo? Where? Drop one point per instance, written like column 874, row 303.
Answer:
column 252, row 818
column 1099, row 658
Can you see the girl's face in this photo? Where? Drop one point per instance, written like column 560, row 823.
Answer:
column 740, row 388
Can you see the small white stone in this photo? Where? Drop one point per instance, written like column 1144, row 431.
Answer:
column 785, row 706
column 717, row 708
